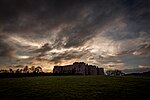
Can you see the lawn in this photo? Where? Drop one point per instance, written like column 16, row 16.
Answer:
column 75, row 88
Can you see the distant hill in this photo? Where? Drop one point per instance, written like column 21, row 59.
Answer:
column 136, row 70
column 139, row 74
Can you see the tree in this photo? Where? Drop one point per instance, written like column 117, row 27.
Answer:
column 11, row 70
column 114, row 73
column 17, row 71
column 38, row 70
column 26, row 69
column 32, row 68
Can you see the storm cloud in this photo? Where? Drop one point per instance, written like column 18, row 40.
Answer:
column 59, row 32
column 6, row 50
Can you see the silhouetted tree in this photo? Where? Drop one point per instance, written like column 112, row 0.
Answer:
column 38, row 70
column 11, row 70
column 21, row 71
column 17, row 71
column 114, row 73
column 26, row 69
column 32, row 68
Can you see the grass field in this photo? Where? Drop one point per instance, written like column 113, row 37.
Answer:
column 75, row 88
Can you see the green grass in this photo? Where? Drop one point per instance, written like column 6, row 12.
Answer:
column 75, row 88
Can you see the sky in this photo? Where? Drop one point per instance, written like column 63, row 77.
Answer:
column 113, row 34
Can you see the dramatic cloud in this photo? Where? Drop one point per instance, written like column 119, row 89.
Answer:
column 110, row 34
column 6, row 50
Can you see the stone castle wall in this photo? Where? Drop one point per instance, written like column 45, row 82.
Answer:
column 79, row 68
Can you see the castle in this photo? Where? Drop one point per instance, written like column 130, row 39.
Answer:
column 79, row 68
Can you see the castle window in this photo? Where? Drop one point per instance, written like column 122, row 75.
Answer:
column 79, row 66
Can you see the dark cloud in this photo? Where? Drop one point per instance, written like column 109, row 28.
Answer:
column 63, row 56
column 37, row 16
column 46, row 47
column 82, row 18
column 137, row 18
column 136, row 70
column 134, row 61
column 142, row 49
column 6, row 50
column 38, row 29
